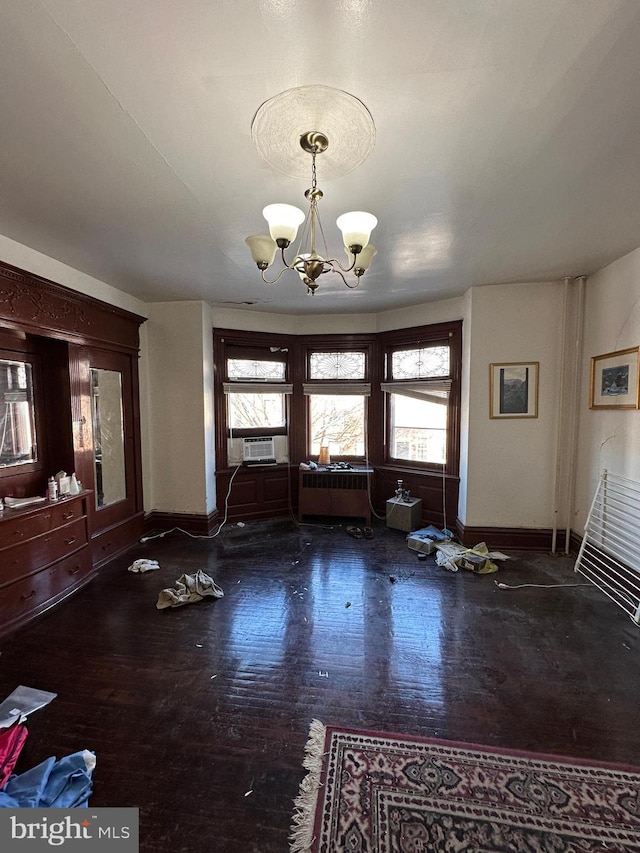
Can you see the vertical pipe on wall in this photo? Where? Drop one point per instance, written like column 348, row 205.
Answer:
column 573, row 444
column 561, row 409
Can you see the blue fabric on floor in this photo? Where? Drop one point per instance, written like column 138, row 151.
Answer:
column 52, row 784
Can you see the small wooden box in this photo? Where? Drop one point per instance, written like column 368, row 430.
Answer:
column 404, row 515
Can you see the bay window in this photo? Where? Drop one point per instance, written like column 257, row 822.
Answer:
column 337, row 402
column 422, row 420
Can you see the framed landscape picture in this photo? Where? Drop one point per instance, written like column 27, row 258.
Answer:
column 614, row 380
column 513, row 390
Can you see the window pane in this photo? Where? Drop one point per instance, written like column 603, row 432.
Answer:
column 337, row 421
column 17, row 424
column 249, row 368
column 256, row 410
column 418, row 430
column 421, row 363
column 336, row 365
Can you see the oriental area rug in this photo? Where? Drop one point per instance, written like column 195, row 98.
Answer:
column 369, row 792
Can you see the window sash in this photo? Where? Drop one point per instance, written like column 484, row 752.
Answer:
column 353, row 388
column 257, row 387
column 432, row 391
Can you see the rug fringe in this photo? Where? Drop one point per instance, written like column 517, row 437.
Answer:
column 301, row 836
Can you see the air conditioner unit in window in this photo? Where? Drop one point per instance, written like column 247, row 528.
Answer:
column 258, row 451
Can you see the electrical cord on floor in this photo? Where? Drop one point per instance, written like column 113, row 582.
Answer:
column 538, row 585
column 196, row 535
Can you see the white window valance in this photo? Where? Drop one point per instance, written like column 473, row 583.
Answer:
column 432, row 391
column 355, row 388
column 257, row 387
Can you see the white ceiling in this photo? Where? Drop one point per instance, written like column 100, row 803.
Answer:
column 507, row 140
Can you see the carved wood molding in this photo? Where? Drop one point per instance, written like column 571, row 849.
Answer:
column 41, row 306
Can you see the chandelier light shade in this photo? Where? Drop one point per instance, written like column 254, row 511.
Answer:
column 363, row 261
column 263, row 249
column 284, row 223
column 284, row 220
column 356, row 228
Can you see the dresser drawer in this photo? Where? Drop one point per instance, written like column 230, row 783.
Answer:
column 28, row 595
column 18, row 526
column 31, row 555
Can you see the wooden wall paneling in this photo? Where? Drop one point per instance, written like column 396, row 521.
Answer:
column 255, row 493
column 426, row 486
column 37, row 305
column 298, row 410
column 57, row 432
column 71, row 332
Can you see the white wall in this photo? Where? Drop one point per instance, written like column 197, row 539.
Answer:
column 35, row 262
column 511, row 462
column 507, row 466
column 607, row 438
column 179, row 439
column 318, row 324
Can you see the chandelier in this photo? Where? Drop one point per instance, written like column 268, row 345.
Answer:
column 285, row 219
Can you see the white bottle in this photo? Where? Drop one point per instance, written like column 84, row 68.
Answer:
column 52, row 489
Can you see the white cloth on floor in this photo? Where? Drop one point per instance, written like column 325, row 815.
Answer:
column 188, row 589
column 140, row 566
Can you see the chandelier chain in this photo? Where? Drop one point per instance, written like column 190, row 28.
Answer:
column 356, row 228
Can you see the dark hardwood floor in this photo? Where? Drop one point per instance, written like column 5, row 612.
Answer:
column 199, row 715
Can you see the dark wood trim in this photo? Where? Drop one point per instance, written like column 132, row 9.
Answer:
column 450, row 334
column 516, row 538
column 34, row 304
column 72, row 332
column 424, row 481
column 197, row 523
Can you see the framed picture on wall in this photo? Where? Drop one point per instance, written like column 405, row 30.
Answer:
column 513, row 390
column 614, row 380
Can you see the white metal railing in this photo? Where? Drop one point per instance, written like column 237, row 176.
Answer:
column 609, row 556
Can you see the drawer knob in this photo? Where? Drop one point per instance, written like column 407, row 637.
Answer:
column 67, row 516
column 75, row 571
column 70, row 541
column 27, row 597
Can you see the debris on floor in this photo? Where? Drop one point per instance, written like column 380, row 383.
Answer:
column 21, row 702
column 11, row 742
column 424, row 540
column 64, row 783
column 452, row 556
column 188, row 590
column 140, row 566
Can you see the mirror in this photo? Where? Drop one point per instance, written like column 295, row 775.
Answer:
column 108, row 436
column 17, row 414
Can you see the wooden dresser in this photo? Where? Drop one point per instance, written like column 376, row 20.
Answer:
column 44, row 556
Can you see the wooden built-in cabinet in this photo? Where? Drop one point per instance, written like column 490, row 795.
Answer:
column 50, row 550
column 44, row 556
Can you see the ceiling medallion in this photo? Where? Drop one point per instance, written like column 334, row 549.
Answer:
column 280, row 122
column 337, row 126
